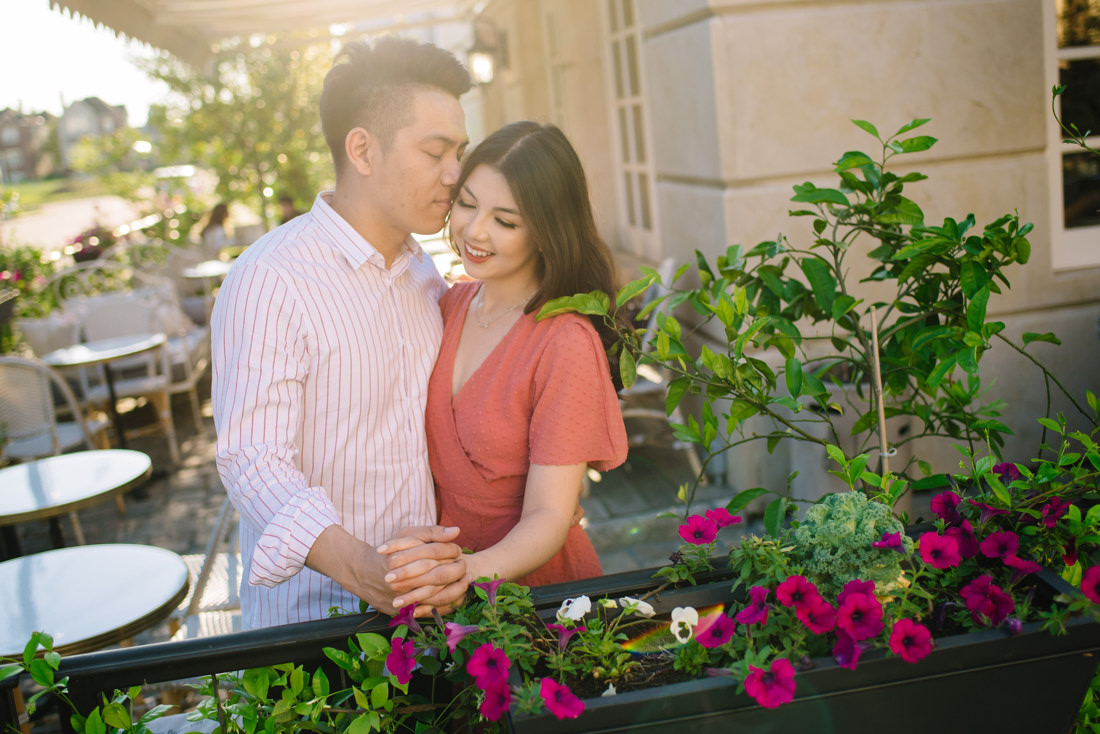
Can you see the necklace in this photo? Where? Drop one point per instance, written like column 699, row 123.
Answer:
column 481, row 306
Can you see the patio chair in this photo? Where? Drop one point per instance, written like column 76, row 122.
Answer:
column 213, row 605
column 28, row 418
column 643, row 403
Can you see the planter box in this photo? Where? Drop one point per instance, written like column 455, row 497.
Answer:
column 983, row 681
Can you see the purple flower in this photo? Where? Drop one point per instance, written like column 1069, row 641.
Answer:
column 944, row 504
column 401, row 660
column 890, row 541
column 773, row 687
column 456, row 633
column 717, row 633
column 1022, row 566
column 987, row 602
column 560, row 700
column 860, row 616
column 1000, row 544
column 855, row 586
column 964, row 536
column 488, row 666
column 910, row 640
column 939, row 551
column 699, row 530
column 1069, row 553
column 1090, row 584
column 722, row 517
column 757, row 608
column 846, row 651
column 819, row 617
column 405, row 616
column 1014, row 625
column 490, row 588
column 1006, row 471
column 564, row 633
column 988, row 511
column 1052, row 511
column 497, row 699
column 796, row 592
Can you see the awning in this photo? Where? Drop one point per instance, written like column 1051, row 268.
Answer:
column 191, row 29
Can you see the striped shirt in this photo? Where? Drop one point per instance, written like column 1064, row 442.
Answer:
column 321, row 360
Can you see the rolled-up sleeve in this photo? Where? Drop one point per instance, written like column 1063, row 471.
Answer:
column 261, row 357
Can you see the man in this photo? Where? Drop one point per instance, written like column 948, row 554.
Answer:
column 324, row 336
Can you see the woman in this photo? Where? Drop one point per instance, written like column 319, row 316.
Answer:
column 519, row 408
column 215, row 234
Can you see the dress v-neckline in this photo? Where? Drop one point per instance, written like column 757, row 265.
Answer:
column 489, row 357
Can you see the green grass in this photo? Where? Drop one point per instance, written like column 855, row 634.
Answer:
column 33, row 194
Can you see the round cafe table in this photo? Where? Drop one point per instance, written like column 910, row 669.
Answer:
column 89, row 596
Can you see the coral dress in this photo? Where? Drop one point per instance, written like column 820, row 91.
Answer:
column 542, row 396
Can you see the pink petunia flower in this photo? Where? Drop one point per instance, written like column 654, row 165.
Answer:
column 963, row 534
column 890, row 541
column 717, row 633
column 560, row 700
column 456, row 633
column 699, row 530
column 987, row 602
column 401, row 660
column 944, row 504
column 488, row 666
column 1006, row 471
column 819, row 617
column 1000, row 544
column 564, row 633
column 1052, row 511
column 988, row 511
column 722, row 517
column 1069, row 554
column 490, row 588
column 855, row 586
column 497, row 699
column 910, row 640
column 1023, row 566
column 860, row 616
column 773, row 687
column 757, row 608
column 939, row 551
column 846, row 651
column 1090, row 584
column 405, row 616
column 796, row 592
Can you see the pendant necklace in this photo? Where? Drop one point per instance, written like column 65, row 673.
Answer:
column 481, row 306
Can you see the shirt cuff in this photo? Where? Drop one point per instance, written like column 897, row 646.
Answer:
column 286, row 541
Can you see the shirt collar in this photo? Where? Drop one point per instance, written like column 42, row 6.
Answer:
column 349, row 242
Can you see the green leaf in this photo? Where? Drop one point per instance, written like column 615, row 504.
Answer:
column 773, row 515
column 913, row 125
column 7, row 671
column 793, row 375
column 810, row 194
column 821, row 281
column 906, row 212
column 917, row 143
column 633, row 289
column 116, row 715
column 364, row 723
column 975, row 311
column 940, row 371
column 676, row 390
column 842, row 305
column 94, row 723
column 628, row 368
column 868, row 127
column 379, row 696
column 853, row 159
column 1031, row 336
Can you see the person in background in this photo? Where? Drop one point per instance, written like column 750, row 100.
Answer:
column 519, row 408
column 324, row 336
column 287, row 211
column 215, row 233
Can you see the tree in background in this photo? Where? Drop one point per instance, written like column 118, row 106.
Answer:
column 253, row 119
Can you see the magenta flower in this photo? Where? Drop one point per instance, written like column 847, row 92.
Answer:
column 860, row 616
column 890, row 541
column 722, row 517
column 964, row 536
column 456, row 633
column 1069, row 553
column 910, row 640
column 944, row 504
column 1006, row 471
column 488, row 666
column 717, row 633
column 560, row 700
column 819, row 616
column 1021, row 566
column 401, row 660
column 797, row 592
column 497, row 699
column 1090, row 584
column 1015, row 626
column 988, row 511
column 699, row 530
column 490, row 588
column 1052, row 511
column 773, row 687
column 939, row 551
column 564, row 633
column 987, row 602
column 405, row 616
column 1001, row 544
column 757, row 608
column 855, row 586
column 846, row 651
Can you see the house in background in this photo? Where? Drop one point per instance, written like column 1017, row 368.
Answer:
column 696, row 118
column 90, row 116
column 25, row 150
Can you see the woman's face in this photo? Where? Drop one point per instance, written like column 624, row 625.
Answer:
column 487, row 228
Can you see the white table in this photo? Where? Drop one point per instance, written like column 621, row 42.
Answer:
column 209, row 272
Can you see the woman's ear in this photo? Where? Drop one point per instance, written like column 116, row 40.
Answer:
column 358, row 147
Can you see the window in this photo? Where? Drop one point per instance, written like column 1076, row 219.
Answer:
column 9, row 135
column 1075, row 174
column 630, row 131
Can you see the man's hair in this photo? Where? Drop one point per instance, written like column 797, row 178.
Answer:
column 372, row 87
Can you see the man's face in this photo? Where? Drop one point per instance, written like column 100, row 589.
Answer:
column 413, row 178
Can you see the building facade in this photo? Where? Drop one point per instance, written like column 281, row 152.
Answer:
column 87, row 117
column 25, row 151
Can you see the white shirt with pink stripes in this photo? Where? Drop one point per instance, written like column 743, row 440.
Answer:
column 321, row 360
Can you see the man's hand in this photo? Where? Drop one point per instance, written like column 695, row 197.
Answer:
column 427, row 568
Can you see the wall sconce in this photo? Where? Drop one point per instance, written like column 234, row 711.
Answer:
column 489, row 51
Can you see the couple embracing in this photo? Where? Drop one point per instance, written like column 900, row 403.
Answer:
column 374, row 424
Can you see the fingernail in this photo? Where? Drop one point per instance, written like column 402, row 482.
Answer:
column 382, row 548
column 391, row 576
column 398, row 603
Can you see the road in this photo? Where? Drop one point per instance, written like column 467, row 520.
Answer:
column 53, row 226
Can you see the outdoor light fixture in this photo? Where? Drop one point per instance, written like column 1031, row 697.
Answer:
column 489, row 51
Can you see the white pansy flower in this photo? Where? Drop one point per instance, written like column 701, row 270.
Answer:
column 574, row 609
column 610, row 691
column 637, row 606
column 608, row 604
column 684, row 620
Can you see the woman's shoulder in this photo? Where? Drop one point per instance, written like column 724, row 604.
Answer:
column 458, row 295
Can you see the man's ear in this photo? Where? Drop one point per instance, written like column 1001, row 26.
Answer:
column 359, row 147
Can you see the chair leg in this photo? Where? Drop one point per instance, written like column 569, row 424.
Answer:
column 163, row 404
column 196, row 409
column 78, row 531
